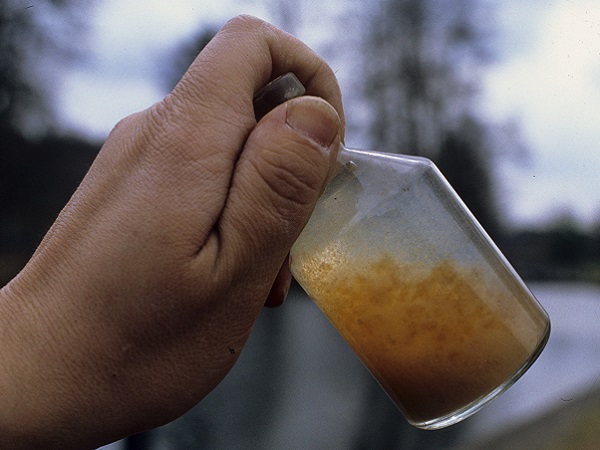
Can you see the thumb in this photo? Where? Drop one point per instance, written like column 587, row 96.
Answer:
column 278, row 178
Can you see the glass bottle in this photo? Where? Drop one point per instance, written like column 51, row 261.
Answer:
column 398, row 264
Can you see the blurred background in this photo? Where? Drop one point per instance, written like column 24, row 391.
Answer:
column 503, row 95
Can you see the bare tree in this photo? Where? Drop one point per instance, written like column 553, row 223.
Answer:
column 36, row 39
column 422, row 68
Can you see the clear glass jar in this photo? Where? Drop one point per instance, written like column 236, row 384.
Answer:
column 412, row 282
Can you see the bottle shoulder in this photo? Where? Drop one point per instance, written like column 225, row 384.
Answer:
column 386, row 161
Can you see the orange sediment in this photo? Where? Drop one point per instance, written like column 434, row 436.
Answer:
column 435, row 339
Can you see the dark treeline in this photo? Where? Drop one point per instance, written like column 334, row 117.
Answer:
column 561, row 252
column 37, row 178
column 39, row 167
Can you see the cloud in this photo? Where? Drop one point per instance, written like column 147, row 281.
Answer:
column 554, row 87
column 94, row 103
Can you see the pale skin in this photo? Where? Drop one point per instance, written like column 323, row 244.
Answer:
column 144, row 291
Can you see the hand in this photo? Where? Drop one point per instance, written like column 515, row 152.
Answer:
column 142, row 294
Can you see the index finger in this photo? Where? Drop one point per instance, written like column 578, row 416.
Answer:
column 244, row 56
column 199, row 130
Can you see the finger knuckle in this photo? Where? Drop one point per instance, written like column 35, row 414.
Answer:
column 289, row 179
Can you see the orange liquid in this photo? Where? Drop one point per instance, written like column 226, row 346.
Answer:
column 436, row 340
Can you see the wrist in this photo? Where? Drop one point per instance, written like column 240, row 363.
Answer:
column 14, row 376
column 36, row 401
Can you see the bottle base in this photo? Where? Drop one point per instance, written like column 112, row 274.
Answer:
column 472, row 408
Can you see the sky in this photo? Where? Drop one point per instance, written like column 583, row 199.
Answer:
column 546, row 79
column 549, row 79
